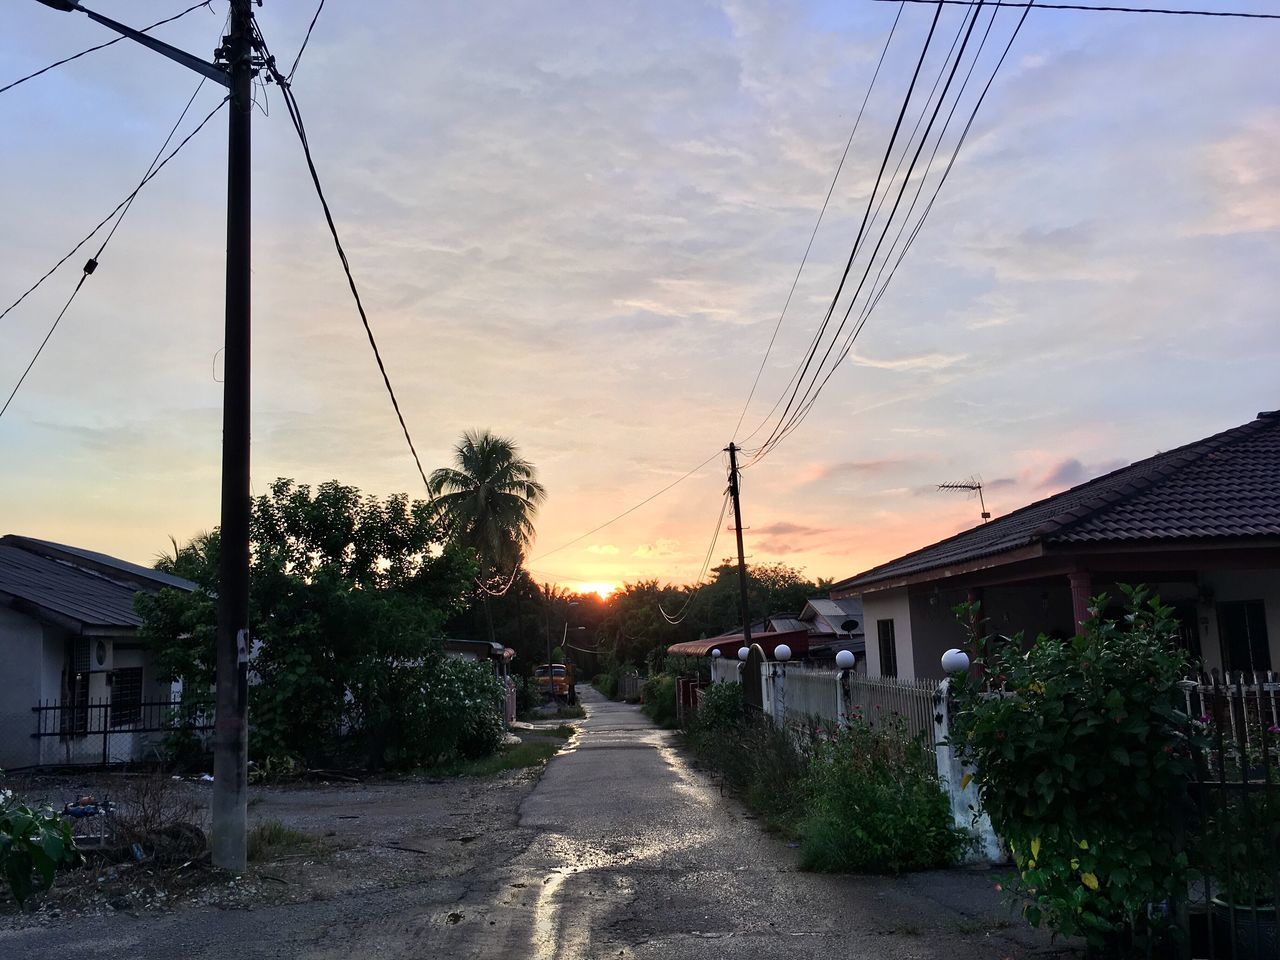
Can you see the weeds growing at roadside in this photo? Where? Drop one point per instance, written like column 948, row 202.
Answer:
column 271, row 840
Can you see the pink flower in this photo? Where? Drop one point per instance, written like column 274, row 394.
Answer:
column 1273, row 729
column 998, row 887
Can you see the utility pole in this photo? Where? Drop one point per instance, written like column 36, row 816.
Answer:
column 231, row 723
column 234, row 69
column 737, row 526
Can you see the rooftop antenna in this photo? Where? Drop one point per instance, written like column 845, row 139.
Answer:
column 972, row 485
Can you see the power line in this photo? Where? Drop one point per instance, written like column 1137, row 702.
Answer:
column 305, row 40
column 924, row 215
column 629, row 510
column 702, row 572
column 818, row 381
column 809, row 246
column 1101, row 9
column 58, row 63
column 817, row 338
column 122, row 208
column 295, row 115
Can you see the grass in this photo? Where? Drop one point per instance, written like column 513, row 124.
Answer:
column 574, row 711
column 271, row 839
column 564, row 731
column 518, row 757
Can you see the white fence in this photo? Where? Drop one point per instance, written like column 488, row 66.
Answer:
column 724, row 670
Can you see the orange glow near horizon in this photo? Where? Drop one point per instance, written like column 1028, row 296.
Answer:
column 599, row 587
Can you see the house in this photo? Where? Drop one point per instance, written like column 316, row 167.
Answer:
column 69, row 646
column 1199, row 524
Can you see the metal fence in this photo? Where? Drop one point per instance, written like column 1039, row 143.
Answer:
column 1232, row 824
column 630, row 685
column 103, row 732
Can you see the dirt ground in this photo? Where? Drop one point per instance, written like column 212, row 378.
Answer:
column 341, row 838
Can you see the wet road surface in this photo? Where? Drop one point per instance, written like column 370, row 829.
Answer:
column 621, row 851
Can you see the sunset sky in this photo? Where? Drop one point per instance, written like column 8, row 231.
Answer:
column 576, row 224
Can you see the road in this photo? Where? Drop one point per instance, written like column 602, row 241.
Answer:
column 620, row 851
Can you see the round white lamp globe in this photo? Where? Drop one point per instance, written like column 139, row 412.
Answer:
column 845, row 660
column 715, row 654
column 955, row 661
column 782, row 652
column 744, row 652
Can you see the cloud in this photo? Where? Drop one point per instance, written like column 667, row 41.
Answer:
column 1071, row 472
column 606, row 549
column 1243, row 169
column 853, row 468
column 785, row 528
column 919, row 361
column 658, row 550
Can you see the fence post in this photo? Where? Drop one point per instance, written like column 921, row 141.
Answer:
column 102, row 715
column 966, row 810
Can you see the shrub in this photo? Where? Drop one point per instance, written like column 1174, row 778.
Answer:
column 659, row 695
column 761, row 764
column 1081, row 760
column 529, row 695
column 449, row 710
column 34, row 843
column 875, row 805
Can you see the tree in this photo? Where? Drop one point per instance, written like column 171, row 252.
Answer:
column 487, row 502
column 348, row 598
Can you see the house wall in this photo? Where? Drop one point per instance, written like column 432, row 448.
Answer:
column 888, row 605
column 21, row 667
column 1226, row 585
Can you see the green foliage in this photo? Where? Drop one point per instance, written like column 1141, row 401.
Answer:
column 757, row 761
column 659, row 699
column 271, row 839
column 349, row 595
column 448, row 710
column 1241, row 844
column 875, row 804
column 529, row 695
column 1081, row 760
column 34, row 844
column 518, row 757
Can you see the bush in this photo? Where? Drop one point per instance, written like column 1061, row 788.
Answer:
column 450, row 709
column 875, row 805
column 529, row 695
column 34, row 844
column 1081, row 761
column 760, row 763
column 659, row 696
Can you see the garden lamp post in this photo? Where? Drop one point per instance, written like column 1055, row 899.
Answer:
column 955, row 661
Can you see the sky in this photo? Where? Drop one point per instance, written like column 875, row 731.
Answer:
column 576, row 225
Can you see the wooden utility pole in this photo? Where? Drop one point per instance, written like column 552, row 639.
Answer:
column 231, row 720
column 234, row 69
column 742, row 560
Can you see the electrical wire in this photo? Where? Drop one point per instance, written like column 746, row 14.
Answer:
column 295, row 115
column 817, row 337
column 678, row 618
column 58, row 63
column 815, row 383
column 305, row 40
column 629, row 510
column 847, row 348
column 1104, row 9
column 809, row 246
column 122, row 208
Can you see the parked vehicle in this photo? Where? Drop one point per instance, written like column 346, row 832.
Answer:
column 559, row 685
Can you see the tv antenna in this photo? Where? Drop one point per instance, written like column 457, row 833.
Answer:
column 972, row 485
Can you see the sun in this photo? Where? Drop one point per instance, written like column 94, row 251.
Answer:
column 600, row 588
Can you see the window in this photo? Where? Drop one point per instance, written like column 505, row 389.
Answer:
column 1242, row 631
column 888, row 649
column 126, row 696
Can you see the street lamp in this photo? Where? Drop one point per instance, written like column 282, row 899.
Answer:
column 235, row 70
column 845, row 660
column 743, row 653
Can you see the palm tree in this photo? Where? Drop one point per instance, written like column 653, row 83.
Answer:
column 487, row 501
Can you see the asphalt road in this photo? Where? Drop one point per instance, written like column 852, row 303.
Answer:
column 621, row 850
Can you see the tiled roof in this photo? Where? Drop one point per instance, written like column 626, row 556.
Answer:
column 1221, row 487
column 86, row 594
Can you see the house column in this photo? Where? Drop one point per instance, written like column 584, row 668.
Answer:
column 1081, row 590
